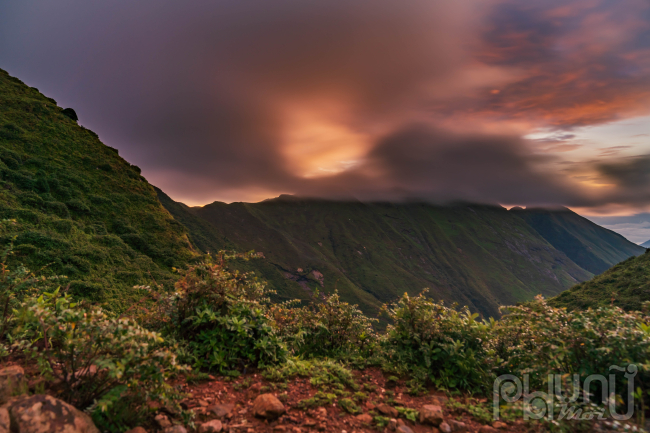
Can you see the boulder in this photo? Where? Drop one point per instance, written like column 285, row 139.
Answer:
column 46, row 414
column 12, row 382
column 175, row 429
column 267, row 406
column 364, row 418
column 457, row 426
column 388, row 411
column 213, row 426
column 431, row 414
column 221, row 411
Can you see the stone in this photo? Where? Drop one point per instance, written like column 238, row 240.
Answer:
column 45, row 414
column 487, row 429
column 4, row 420
column 267, row 406
column 12, row 382
column 392, row 424
column 387, row 410
column 431, row 414
column 280, row 428
column 136, row 430
column 175, row 429
column 404, row 429
column 213, row 426
column 221, row 410
column 500, row 425
column 444, row 427
column 162, row 420
column 364, row 418
column 457, row 426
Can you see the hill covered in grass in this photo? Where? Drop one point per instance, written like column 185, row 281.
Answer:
column 589, row 245
column 72, row 205
column 480, row 256
column 626, row 285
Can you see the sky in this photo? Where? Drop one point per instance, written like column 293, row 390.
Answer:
column 528, row 103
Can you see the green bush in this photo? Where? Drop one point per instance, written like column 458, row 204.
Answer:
column 438, row 343
column 222, row 316
column 325, row 327
column 94, row 356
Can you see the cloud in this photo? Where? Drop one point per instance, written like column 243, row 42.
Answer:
column 612, row 150
column 379, row 99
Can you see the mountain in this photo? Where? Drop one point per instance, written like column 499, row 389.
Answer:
column 589, row 245
column 646, row 244
column 481, row 256
column 72, row 205
column 626, row 285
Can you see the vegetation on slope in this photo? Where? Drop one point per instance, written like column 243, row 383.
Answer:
column 589, row 245
column 480, row 256
column 626, row 285
column 78, row 209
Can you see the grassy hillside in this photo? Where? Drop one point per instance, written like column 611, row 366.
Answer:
column 479, row 256
column 78, row 208
column 626, row 285
column 589, row 245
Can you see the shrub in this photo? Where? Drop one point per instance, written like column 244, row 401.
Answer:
column 435, row 342
column 222, row 315
column 326, row 327
column 94, row 356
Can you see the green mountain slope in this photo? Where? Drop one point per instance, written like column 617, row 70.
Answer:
column 626, row 285
column 480, row 256
column 78, row 208
column 589, row 245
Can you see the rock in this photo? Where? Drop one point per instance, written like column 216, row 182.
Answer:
column 387, row 410
column 392, row 424
column 221, row 411
column 364, row 418
column 404, row 429
column 267, row 406
column 12, row 382
column 280, row 428
column 444, row 427
column 431, row 414
column 175, row 429
column 4, row 420
column 500, row 425
column 487, row 429
column 457, row 426
column 213, row 426
column 163, row 421
column 45, row 414
column 136, row 430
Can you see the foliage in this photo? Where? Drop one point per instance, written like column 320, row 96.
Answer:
column 327, row 327
column 538, row 339
column 69, row 211
column 221, row 314
column 96, row 359
column 323, row 373
column 626, row 285
column 435, row 342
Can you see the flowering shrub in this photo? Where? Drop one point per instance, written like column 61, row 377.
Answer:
column 538, row 339
column 93, row 356
column 222, row 315
column 326, row 327
column 435, row 342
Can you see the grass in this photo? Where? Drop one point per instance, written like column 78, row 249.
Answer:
column 78, row 208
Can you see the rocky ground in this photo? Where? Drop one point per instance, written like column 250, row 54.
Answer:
column 252, row 404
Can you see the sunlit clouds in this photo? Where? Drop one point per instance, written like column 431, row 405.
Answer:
column 541, row 102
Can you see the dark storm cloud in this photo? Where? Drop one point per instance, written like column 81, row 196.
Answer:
column 201, row 94
column 423, row 163
column 631, row 177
